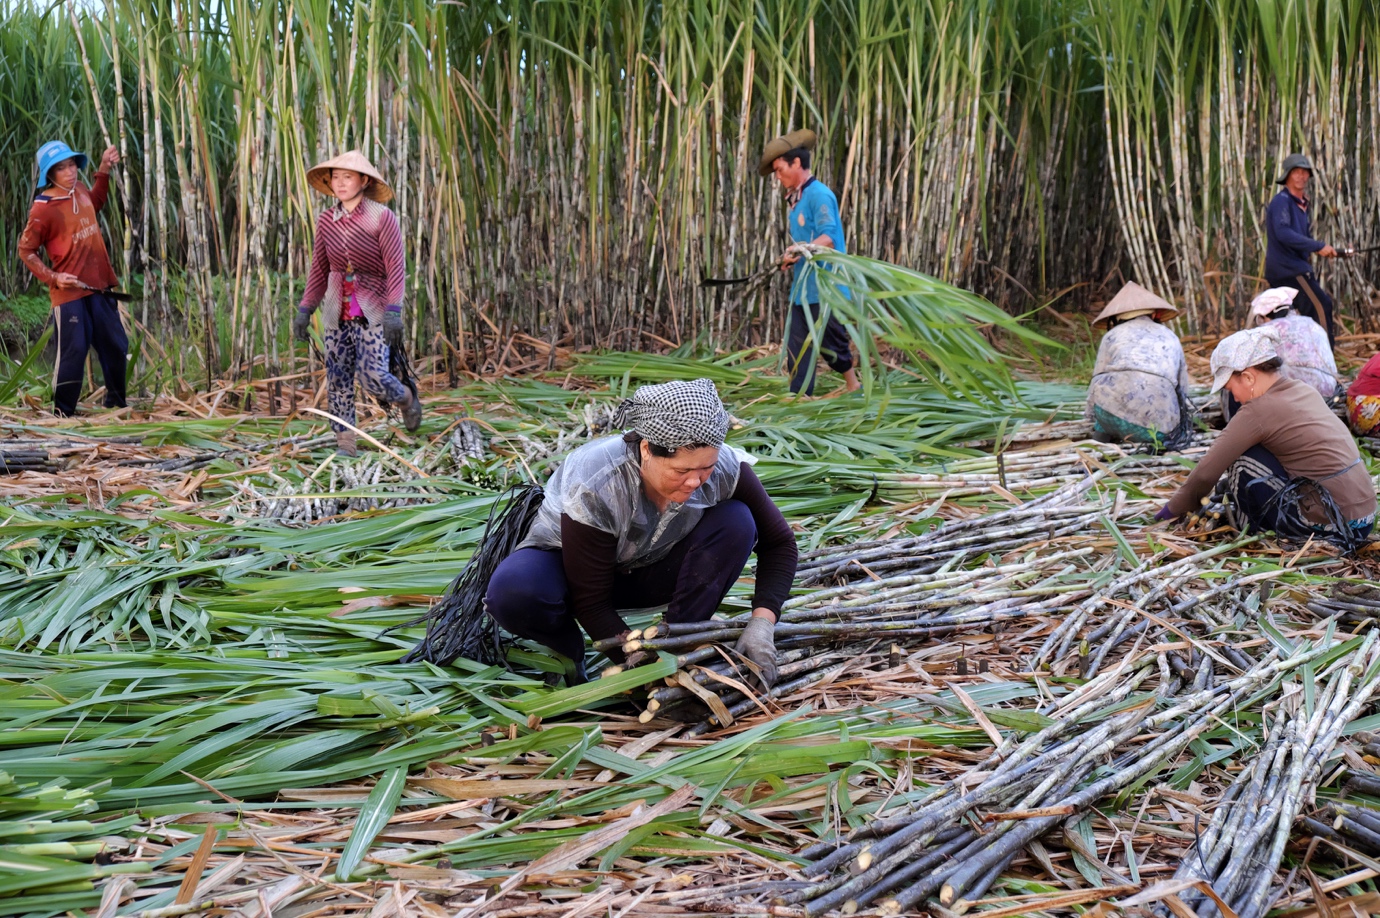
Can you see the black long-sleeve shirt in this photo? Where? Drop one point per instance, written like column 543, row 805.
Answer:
column 589, row 557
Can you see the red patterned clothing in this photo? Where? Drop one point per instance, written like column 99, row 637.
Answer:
column 1363, row 400
column 366, row 242
column 65, row 227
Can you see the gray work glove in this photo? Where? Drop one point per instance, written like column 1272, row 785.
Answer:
column 393, row 330
column 757, row 645
column 301, row 326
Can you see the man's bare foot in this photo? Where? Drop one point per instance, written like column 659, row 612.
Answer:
column 850, row 380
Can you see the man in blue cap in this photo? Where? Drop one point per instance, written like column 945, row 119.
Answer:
column 62, row 222
column 1288, row 229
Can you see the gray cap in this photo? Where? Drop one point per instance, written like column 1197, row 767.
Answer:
column 1291, row 162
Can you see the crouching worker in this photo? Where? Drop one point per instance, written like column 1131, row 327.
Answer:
column 357, row 276
column 1139, row 388
column 1287, row 464
column 664, row 514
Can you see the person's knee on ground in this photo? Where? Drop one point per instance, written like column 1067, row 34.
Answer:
column 527, row 598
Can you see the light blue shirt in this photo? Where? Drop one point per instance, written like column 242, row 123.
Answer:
column 815, row 214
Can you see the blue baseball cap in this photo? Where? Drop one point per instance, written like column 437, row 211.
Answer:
column 52, row 153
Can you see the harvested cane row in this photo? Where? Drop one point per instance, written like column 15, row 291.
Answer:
column 1101, row 739
column 1241, row 850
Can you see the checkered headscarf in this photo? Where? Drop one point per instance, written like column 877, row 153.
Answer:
column 675, row 414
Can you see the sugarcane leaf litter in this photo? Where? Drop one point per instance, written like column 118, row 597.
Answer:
column 998, row 689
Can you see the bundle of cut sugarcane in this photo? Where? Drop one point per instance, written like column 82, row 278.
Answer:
column 1168, row 573
column 1240, row 852
column 13, row 461
column 1027, row 789
column 1052, row 515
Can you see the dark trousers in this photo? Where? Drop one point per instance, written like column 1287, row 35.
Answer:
column 527, row 594
column 1258, row 484
column 800, row 357
column 1313, row 301
column 90, row 322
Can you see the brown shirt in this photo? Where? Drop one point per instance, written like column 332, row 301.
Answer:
column 65, row 227
column 1292, row 421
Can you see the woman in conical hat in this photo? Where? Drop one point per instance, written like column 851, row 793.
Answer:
column 357, row 278
column 1139, row 388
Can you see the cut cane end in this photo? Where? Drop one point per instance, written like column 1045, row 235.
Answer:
column 849, row 908
column 646, row 716
column 649, row 632
column 889, row 907
column 947, row 895
column 635, row 634
column 610, row 671
column 862, row 861
column 653, row 705
column 632, row 646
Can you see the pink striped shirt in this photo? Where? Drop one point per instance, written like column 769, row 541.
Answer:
column 367, row 241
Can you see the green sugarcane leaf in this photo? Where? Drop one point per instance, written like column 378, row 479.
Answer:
column 373, row 816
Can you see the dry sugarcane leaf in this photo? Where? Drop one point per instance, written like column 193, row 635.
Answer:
column 1164, row 889
column 198, row 864
column 475, row 789
column 574, row 852
column 1042, row 902
column 987, row 726
column 1360, row 904
column 715, row 703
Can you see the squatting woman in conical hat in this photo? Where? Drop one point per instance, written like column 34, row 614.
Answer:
column 664, row 513
column 1139, row 388
column 357, row 278
column 1285, row 462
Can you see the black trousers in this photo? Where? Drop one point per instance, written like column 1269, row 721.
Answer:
column 527, row 594
column 90, row 322
column 1313, row 301
column 800, row 357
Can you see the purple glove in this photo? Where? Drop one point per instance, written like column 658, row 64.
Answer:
column 1164, row 514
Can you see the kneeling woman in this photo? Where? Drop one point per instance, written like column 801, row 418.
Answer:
column 663, row 514
column 1139, row 389
column 1287, row 463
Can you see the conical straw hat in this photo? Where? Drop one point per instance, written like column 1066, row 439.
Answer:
column 1135, row 298
column 319, row 176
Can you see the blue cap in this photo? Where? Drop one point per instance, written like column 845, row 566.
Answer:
column 52, row 153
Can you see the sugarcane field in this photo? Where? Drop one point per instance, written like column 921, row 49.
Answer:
column 631, row 458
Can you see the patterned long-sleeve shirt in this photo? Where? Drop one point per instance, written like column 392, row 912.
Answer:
column 1140, row 374
column 65, row 227
column 367, row 242
column 1307, row 355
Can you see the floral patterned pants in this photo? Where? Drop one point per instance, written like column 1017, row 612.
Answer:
column 357, row 351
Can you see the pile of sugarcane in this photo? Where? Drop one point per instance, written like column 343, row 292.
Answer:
column 1353, row 823
column 29, row 459
column 361, row 484
column 1105, row 737
column 902, row 591
column 1024, row 472
column 1240, row 852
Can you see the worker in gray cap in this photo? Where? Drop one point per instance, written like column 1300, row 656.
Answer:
column 1288, row 227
